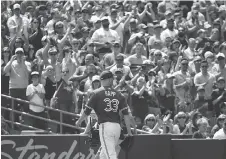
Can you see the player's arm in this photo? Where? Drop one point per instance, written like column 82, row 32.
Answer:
column 87, row 111
column 124, row 108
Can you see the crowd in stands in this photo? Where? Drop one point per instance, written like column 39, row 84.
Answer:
column 168, row 57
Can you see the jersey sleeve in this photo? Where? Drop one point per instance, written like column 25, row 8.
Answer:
column 90, row 105
column 123, row 106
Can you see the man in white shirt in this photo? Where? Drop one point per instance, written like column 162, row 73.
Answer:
column 104, row 36
column 18, row 23
column 35, row 93
column 205, row 79
column 221, row 134
column 170, row 31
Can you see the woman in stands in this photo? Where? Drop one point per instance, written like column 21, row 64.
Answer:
column 180, row 126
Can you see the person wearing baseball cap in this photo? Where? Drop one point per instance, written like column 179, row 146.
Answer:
column 107, row 103
column 35, row 93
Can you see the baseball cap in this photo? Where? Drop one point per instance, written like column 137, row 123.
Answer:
column 151, row 72
column 96, row 20
column 85, row 29
column 16, row 6
column 222, row 116
column 104, row 18
column 157, row 26
column 53, row 49
column 197, row 58
column 149, row 116
column 169, row 75
column 148, row 62
column 113, row 10
column 42, row 7
column 220, row 55
column 142, row 26
column 119, row 57
column 59, row 23
column 74, row 78
column 106, row 75
column 85, row 10
column 220, row 79
column 115, row 42
column 200, row 88
column 170, row 20
column 34, row 73
column 29, row 8
column 19, row 50
column 168, row 12
column 96, row 78
column 208, row 54
column 132, row 20
column 176, row 41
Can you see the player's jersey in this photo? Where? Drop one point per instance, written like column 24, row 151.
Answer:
column 107, row 102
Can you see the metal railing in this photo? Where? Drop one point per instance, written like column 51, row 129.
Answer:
column 13, row 111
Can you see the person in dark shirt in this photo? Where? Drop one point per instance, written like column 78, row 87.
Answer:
column 107, row 103
column 200, row 103
column 219, row 95
column 202, row 129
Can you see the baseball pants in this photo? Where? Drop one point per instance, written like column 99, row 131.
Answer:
column 109, row 138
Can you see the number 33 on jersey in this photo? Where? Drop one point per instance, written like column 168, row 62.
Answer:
column 111, row 104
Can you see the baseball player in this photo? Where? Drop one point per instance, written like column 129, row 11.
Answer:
column 107, row 103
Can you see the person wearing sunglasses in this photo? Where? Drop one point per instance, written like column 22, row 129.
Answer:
column 152, row 124
column 219, row 124
column 181, row 126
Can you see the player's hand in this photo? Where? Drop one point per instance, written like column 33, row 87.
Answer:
column 130, row 133
column 77, row 123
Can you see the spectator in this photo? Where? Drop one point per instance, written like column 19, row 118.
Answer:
column 18, row 23
column 218, row 95
column 148, row 46
column 182, row 85
column 219, row 125
column 35, row 93
column 204, row 78
column 221, row 134
column 202, row 126
column 180, row 126
column 19, row 70
column 152, row 124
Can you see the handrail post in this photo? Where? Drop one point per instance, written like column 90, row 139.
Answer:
column 12, row 113
column 61, row 121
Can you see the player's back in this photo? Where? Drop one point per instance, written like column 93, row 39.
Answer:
column 107, row 103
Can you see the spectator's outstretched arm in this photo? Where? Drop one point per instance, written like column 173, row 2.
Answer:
column 176, row 86
column 115, row 26
column 152, row 14
column 32, row 36
column 126, row 24
column 134, row 79
column 7, row 68
column 65, row 6
column 45, row 51
column 85, row 5
column 12, row 42
column 62, row 41
column 143, row 13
